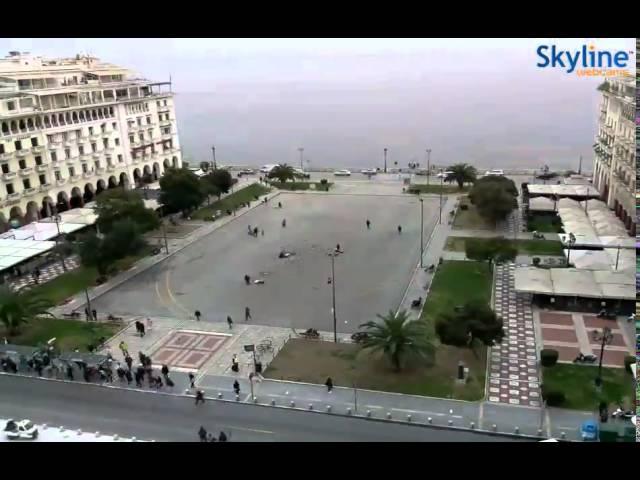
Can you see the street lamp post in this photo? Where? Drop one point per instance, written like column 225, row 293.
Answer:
column 333, row 297
column 385, row 160
column 441, row 187
column 617, row 257
column 213, row 150
column 301, row 150
column 605, row 337
column 570, row 243
column 421, row 232
column 428, row 164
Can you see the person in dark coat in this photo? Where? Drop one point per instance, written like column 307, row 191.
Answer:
column 247, row 279
column 129, row 361
column 236, row 387
column 247, row 314
column 399, row 229
column 229, row 321
column 199, row 397
column 198, row 315
column 368, row 224
column 192, row 380
column 329, row 384
column 202, row 434
column 165, row 370
column 69, row 372
column 128, row 376
column 222, row 437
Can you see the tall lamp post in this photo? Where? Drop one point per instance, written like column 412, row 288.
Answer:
column 421, row 232
column 385, row 160
column 570, row 243
column 441, row 187
column 213, row 150
column 301, row 150
column 605, row 337
column 57, row 218
column 428, row 164
column 333, row 296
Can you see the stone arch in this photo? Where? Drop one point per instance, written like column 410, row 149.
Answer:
column 101, row 186
column 67, row 117
column 38, row 122
column 30, row 123
column 54, row 120
column 14, row 126
column 61, row 119
column 76, row 200
column 32, row 214
column 62, row 204
column 89, row 193
column 16, row 214
column 175, row 162
column 81, row 115
column 74, row 116
column 113, row 182
column 166, row 163
column 157, row 171
column 124, row 180
column 47, row 121
column 4, row 224
column 22, row 125
column 94, row 114
column 48, row 207
column 137, row 176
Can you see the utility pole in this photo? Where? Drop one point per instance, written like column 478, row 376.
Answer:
column 580, row 166
column 301, row 150
column 428, row 164
column 441, row 187
column 164, row 231
column 385, row 160
column 617, row 257
column 333, row 294
column 213, row 149
column 89, row 311
column 421, row 232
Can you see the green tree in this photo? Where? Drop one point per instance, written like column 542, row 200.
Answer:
column 498, row 250
column 124, row 239
column 471, row 323
column 283, row 172
column 462, row 173
column 180, row 190
column 115, row 204
column 221, row 181
column 493, row 200
column 92, row 254
column 19, row 308
column 204, row 166
column 397, row 336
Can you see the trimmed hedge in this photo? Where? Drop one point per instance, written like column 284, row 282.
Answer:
column 548, row 357
column 554, row 398
column 628, row 361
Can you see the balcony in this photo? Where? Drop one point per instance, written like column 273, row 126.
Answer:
column 165, row 123
column 22, row 153
column 133, row 127
column 167, row 136
column 163, row 108
column 96, row 155
column 9, row 175
column 5, row 157
column 14, row 196
column 54, row 145
column 106, row 133
column 111, row 168
column 83, row 138
column 71, row 161
column 100, row 170
column 37, row 149
column 108, row 149
column 70, row 142
column 74, row 178
column 85, row 157
column 25, row 172
column 45, row 187
column 87, row 175
column 94, row 136
column 42, row 167
column 27, row 192
column 61, row 181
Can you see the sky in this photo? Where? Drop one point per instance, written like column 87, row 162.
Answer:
column 480, row 101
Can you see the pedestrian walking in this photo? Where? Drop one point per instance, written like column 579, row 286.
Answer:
column 222, row 437
column 284, row 222
column 329, row 384
column 236, row 387
column 95, row 314
column 149, row 324
column 69, row 372
column 229, row 322
column 399, row 229
column 255, row 232
column 202, row 434
column 128, row 376
column 192, row 380
column 123, row 348
column 198, row 314
column 247, row 314
column 169, row 382
column 165, row 371
column 142, row 332
column 368, row 224
column 159, row 383
column 279, row 205
column 199, row 397
column 235, row 366
column 338, row 249
column 128, row 360
column 247, row 279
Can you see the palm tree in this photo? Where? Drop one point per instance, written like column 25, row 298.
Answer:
column 397, row 336
column 18, row 308
column 462, row 173
column 282, row 172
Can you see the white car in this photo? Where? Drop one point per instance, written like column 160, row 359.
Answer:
column 23, row 429
column 369, row 171
column 302, row 173
column 342, row 173
column 444, row 174
column 267, row 168
column 494, row 173
column 245, row 171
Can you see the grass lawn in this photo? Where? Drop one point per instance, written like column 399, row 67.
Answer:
column 577, row 383
column 544, row 224
column 532, row 247
column 446, row 189
column 347, row 364
column 301, row 186
column 70, row 334
column 470, row 219
column 232, row 201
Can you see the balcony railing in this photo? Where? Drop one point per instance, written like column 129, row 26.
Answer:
column 53, row 146
column 111, row 168
column 42, row 167
column 9, row 175
column 96, row 155
column 85, row 157
column 61, row 181
column 14, row 196
column 5, row 157
column 22, row 153
column 74, row 178
column 29, row 191
column 45, row 187
column 94, row 136
column 37, row 149
column 25, row 172
column 87, row 175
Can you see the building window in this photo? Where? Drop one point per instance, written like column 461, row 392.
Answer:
column 109, row 162
column 114, row 125
column 117, row 142
column 149, row 120
column 120, row 158
column 18, row 145
column 1, row 148
column 165, row 103
column 65, row 136
column 57, row 175
column 139, row 121
column 10, row 188
column 23, row 164
column 141, row 136
column 38, row 160
column 97, row 165
column 105, row 142
column 54, row 157
column 150, row 132
column 11, row 105
column 26, row 183
column 84, row 168
column 34, row 142
column 72, row 172
column 81, row 150
column 94, row 147
column 43, row 179
column 90, row 130
column 103, row 127
column 67, row 153
column 5, row 168
column 131, row 139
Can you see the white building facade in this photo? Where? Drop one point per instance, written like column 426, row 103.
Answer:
column 615, row 149
column 73, row 127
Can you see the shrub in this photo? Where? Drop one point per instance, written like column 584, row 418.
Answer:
column 464, row 206
column 548, row 357
column 628, row 361
column 324, row 181
column 536, row 261
column 554, row 398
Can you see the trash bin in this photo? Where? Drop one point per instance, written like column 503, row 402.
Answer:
column 258, row 367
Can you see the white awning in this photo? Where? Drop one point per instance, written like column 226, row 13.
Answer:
column 13, row 252
column 42, row 230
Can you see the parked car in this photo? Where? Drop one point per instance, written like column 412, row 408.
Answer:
column 267, row 168
column 245, row 171
column 302, row 173
column 589, row 431
column 422, row 171
column 494, row 173
column 21, row 430
column 369, row 171
column 342, row 173
column 444, row 174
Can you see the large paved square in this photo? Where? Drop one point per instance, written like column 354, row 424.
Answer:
column 187, row 349
column 371, row 275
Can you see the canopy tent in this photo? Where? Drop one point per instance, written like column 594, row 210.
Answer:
column 85, row 216
column 589, row 259
column 571, row 282
column 585, row 191
column 13, row 252
column 41, row 230
column 542, row 204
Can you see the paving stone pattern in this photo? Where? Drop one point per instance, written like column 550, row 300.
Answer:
column 47, row 273
column 514, row 376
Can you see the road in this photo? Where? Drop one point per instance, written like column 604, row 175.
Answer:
column 154, row 416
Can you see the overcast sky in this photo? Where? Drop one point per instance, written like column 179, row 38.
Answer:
column 483, row 101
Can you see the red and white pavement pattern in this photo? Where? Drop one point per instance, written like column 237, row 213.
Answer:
column 187, row 349
column 513, row 368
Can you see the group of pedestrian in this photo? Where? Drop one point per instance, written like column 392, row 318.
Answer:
column 91, row 315
column 208, row 437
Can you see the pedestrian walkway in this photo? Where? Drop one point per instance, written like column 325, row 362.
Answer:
column 514, row 375
column 47, row 273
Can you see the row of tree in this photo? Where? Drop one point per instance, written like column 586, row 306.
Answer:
column 181, row 190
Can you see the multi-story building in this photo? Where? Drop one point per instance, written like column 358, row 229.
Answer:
column 615, row 149
column 73, row 127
